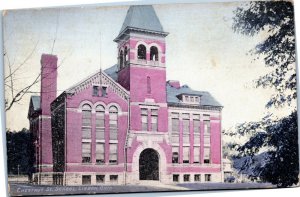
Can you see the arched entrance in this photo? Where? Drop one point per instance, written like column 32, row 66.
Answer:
column 149, row 165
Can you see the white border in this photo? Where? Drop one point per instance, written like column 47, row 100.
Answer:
column 18, row 4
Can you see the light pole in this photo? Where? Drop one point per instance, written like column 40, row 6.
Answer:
column 18, row 173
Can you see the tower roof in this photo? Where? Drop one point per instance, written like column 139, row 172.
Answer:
column 141, row 18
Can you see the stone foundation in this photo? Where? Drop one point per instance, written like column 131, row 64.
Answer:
column 77, row 178
column 43, row 178
column 130, row 178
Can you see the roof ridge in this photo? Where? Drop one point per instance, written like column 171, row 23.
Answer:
column 141, row 18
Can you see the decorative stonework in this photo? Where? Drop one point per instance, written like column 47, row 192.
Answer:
column 100, row 78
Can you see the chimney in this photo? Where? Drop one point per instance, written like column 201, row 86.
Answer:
column 48, row 82
column 174, row 84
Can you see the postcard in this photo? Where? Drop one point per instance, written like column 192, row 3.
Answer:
column 146, row 97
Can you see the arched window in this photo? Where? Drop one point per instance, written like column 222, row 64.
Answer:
column 86, row 107
column 113, row 122
column 126, row 54
column 100, row 108
column 113, row 109
column 141, row 52
column 113, row 134
column 100, row 128
column 100, row 122
column 121, row 60
column 86, row 128
column 86, row 115
column 153, row 53
column 148, row 85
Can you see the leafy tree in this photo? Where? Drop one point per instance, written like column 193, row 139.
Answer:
column 20, row 151
column 275, row 18
column 271, row 153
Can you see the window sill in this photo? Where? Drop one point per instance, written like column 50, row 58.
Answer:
column 86, row 163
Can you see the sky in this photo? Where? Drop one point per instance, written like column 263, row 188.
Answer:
column 202, row 51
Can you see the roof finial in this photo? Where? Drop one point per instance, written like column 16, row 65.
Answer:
column 100, row 73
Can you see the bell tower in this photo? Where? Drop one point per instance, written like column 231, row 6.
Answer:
column 141, row 55
column 141, row 68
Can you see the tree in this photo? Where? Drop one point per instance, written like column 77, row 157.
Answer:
column 275, row 18
column 14, row 89
column 271, row 152
column 20, row 152
column 13, row 93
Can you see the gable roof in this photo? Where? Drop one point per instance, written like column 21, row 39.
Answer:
column 34, row 106
column 35, row 102
column 112, row 72
column 141, row 18
column 206, row 99
column 97, row 78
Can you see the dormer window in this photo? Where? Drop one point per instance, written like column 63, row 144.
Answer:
column 190, row 99
column 187, row 99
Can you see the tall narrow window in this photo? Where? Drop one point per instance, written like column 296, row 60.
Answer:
column 196, row 132
column 186, row 131
column 141, row 52
column 148, row 85
column 100, row 153
column 100, row 122
column 144, row 119
column 113, row 123
column 186, row 154
column 113, row 153
column 197, row 127
column 126, row 55
column 86, row 121
column 175, row 128
column 175, row 123
column 86, row 152
column 206, row 155
column 207, row 140
column 121, row 60
column 153, row 53
column 186, row 127
column 154, row 118
column 175, row 154
column 196, row 154
column 206, row 127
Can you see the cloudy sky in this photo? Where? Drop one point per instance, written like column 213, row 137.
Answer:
column 202, row 51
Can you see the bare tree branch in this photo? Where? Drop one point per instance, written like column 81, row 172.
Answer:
column 56, row 28
column 23, row 62
column 21, row 93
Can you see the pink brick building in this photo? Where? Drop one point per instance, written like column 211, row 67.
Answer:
column 127, row 123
